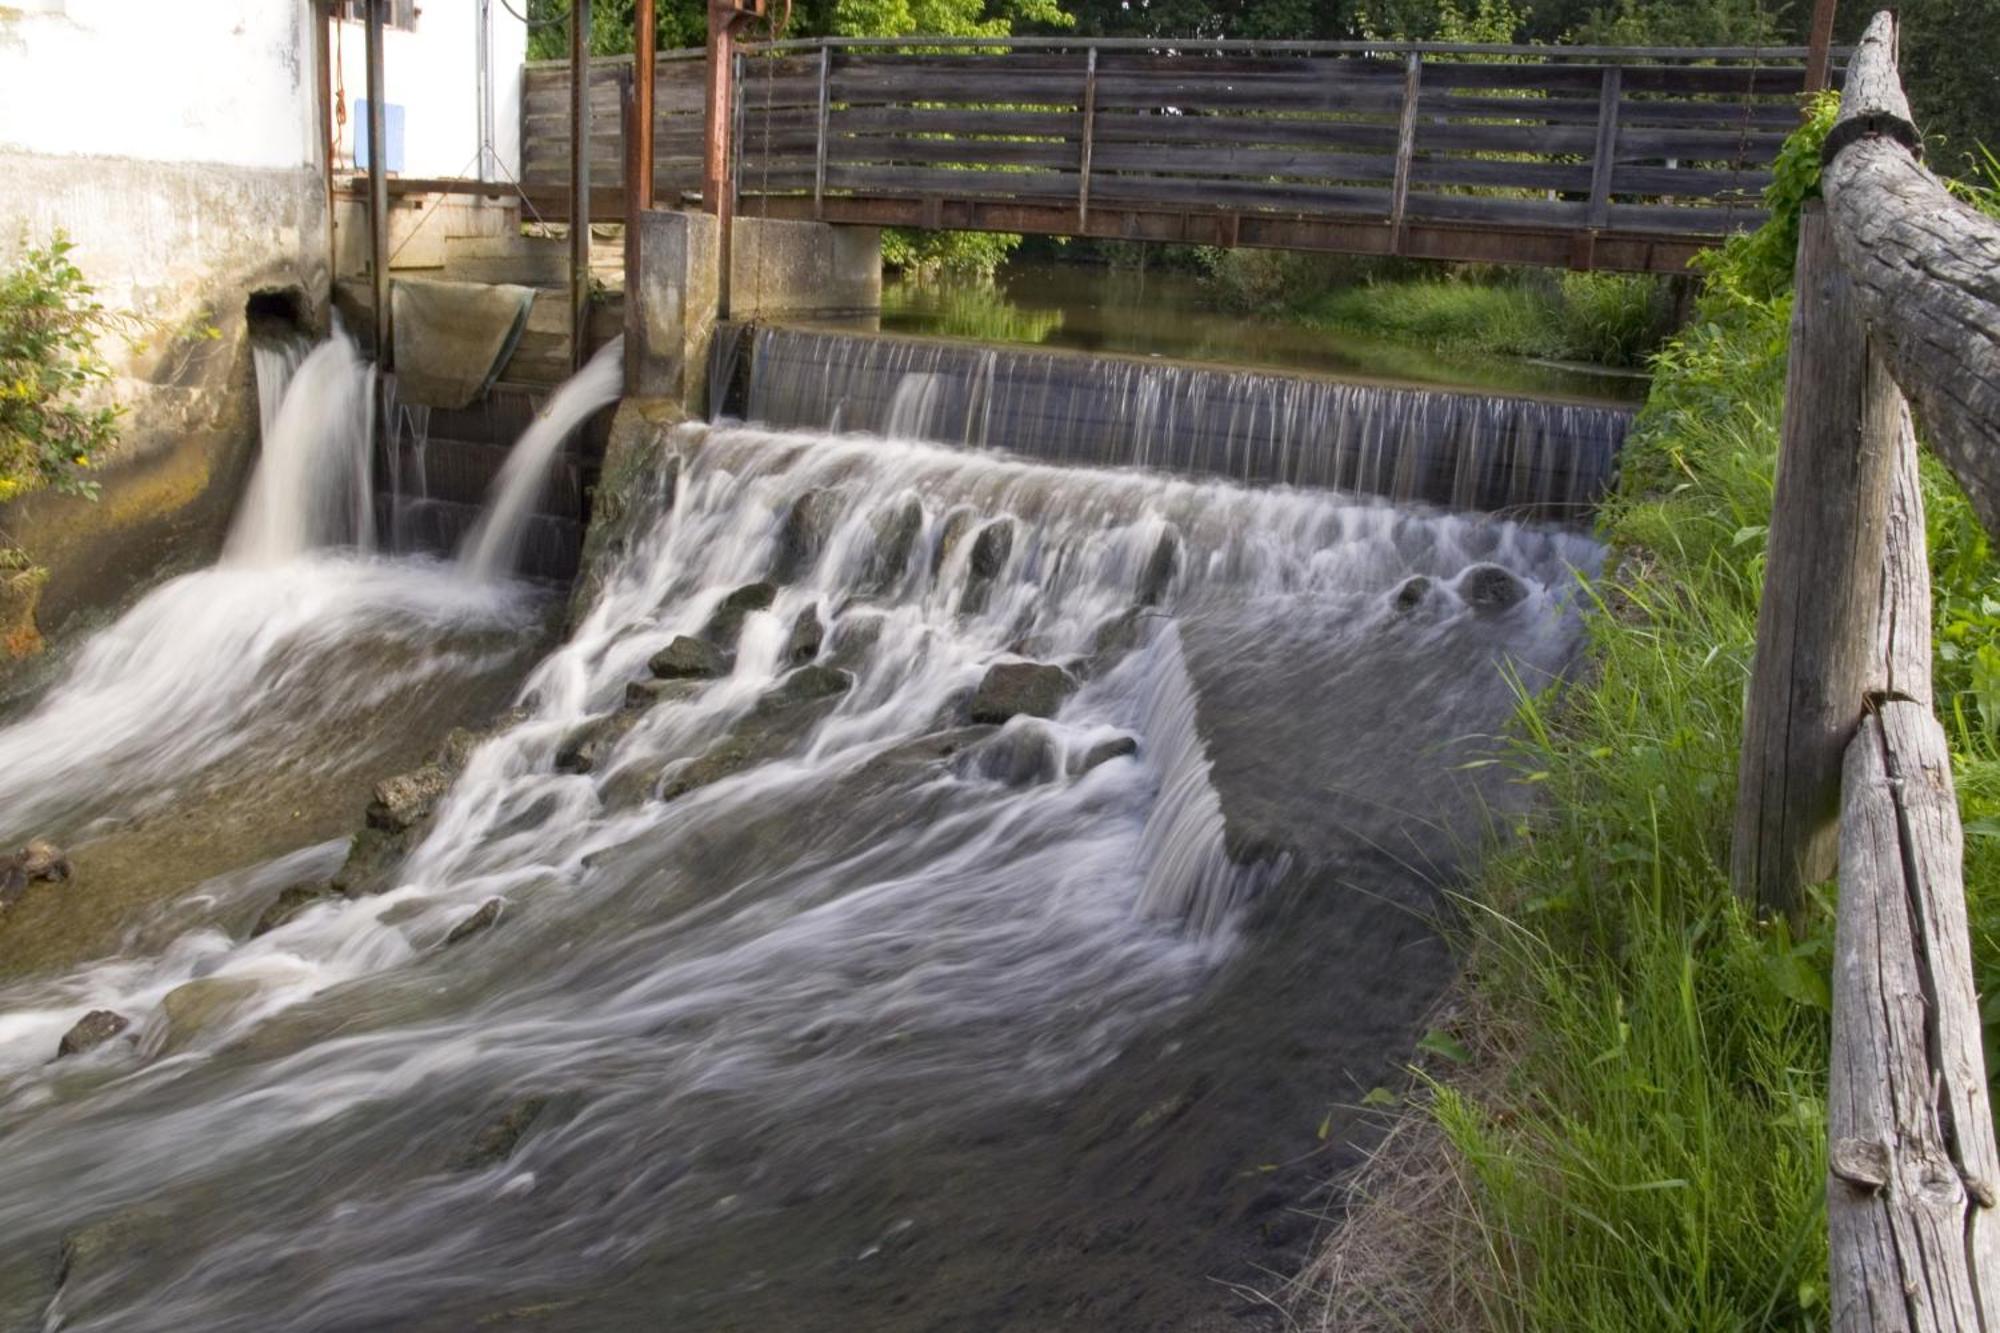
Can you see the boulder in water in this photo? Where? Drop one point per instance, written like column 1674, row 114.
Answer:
column 484, row 918
column 807, row 634
column 497, row 1138
column 407, row 799
column 803, row 534
column 43, row 860
column 808, row 684
column 1019, row 755
column 291, row 903
column 895, row 526
column 950, row 533
column 91, row 1031
column 373, row 855
column 1112, row 641
column 1487, row 587
column 1411, row 593
column 726, row 624
column 1118, row 747
column 1014, row 689
column 990, row 550
column 687, row 658
column 777, row 720
column 199, row 1004
column 643, row 694
column 854, row 637
column 1158, row 575
column 590, row 744
column 109, row 1246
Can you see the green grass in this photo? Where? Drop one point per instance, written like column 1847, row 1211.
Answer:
column 1647, row 1148
column 1610, row 319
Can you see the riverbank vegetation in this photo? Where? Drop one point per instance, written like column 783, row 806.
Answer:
column 50, row 320
column 1636, row 1119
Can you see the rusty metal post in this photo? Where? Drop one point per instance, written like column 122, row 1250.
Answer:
column 644, row 71
column 579, row 181
column 718, row 184
column 1819, row 47
column 378, row 194
column 636, row 146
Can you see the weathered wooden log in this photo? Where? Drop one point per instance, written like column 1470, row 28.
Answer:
column 1815, row 657
column 1926, row 269
column 1912, row 1169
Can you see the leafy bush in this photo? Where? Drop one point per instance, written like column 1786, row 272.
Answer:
column 49, row 323
column 929, row 254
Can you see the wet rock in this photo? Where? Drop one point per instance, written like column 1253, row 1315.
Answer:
column 109, row 1246
column 1019, row 755
column 803, row 535
column 854, row 638
column 643, row 694
column 726, row 624
column 1013, row 689
column 592, row 743
column 407, row 799
column 990, row 550
column 1105, row 751
column 1490, row 588
column 291, row 903
column 807, row 634
column 1411, row 593
column 91, row 1031
column 1113, row 640
column 687, row 658
column 497, row 1138
column 373, row 857
column 896, row 527
column 808, row 684
column 43, row 860
column 483, row 919
column 1158, row 575
column 200, row 1004
column 950, row 533
column 13, row 881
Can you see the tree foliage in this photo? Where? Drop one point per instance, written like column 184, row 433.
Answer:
column 49, row 323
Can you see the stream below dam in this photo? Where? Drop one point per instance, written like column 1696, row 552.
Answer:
column 927, row 887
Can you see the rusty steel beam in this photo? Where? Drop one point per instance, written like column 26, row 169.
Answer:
column 646, row 72
column 1819, row 46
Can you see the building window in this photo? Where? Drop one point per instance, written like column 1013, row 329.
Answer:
column 397, row 13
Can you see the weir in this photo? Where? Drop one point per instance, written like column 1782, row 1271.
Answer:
column 1523, row 456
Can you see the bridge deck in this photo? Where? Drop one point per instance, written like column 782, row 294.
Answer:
column 1578, row 157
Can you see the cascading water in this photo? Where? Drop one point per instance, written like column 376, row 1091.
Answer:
column 313, row 486
column 492, row 546
column 1518, row 455
column 813, row 1000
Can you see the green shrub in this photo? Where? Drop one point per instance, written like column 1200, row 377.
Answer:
column 49, row 323
column 935, row 253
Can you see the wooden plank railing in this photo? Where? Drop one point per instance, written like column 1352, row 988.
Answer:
column 1670, row 147
column 1844, row 763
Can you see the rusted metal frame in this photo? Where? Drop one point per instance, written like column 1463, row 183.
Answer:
column 384, row 324
column 1089, row 134
column 732, row 193
column 1819, row 46
column 579, row 180
column 639, row 178
column 819, row 141
column 1603, row 161
column 1406, row 148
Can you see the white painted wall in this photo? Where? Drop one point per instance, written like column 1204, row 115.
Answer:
column 228, row 82
column 432, row 72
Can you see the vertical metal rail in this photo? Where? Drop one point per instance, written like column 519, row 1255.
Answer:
column 646, row 72
column 484, row 91
column 378, row 194
column 819, row 141
column 1089, row 137
column 322, row 15
column 1406, row 148
column 579, row 180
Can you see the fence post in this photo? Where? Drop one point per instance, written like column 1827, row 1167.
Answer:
column 1406, row 146
column 579, row 181
column 1089, row 140
column 645, row 72
column 819, row 137
column 1822, row 581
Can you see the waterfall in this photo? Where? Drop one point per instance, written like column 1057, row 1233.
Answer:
column 490, row 549
column 274, row 358
column 1466, row 451
column 312, row 487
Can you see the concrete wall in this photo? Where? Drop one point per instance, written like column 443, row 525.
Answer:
column 177, row 147
column 432, row 72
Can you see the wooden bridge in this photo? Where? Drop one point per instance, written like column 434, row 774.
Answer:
column 1585, row 157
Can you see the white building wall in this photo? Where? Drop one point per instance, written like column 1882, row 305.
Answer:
column 432, row 72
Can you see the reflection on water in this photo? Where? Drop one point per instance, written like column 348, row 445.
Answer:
column 1169, row 314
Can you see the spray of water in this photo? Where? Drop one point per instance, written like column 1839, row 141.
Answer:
column 491, row 547
column 313, row 483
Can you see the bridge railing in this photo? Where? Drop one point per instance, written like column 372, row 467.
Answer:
column 1844, row 762
column 1619, row 157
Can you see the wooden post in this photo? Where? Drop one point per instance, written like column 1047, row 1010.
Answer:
column 645, row 68
column 637, row 148
column 1822, row 582
column 579, row 181
column 1406, row 147
column 1819, row 46
column 378, row 195
column 819, row 139
column 1089, row 140
column 1603, row 164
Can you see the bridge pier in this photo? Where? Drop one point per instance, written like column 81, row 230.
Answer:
column 777, row 268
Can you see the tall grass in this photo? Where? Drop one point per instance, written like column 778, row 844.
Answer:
column 1653, row 1157
column 1607, row 318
